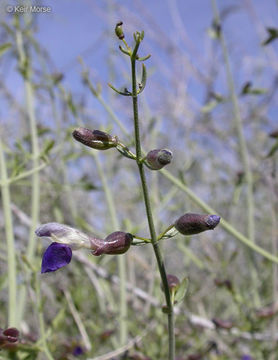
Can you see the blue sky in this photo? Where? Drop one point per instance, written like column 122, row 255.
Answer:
column 86, row 28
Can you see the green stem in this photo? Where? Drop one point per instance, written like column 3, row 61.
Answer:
column 35, row 196
column 242, row 150
column 121, row 259
column 41, row 319
column 165, row 232
column 6, row 201
column 239, row 128
column 155, row 245
column 141, row 238
column 25, row 174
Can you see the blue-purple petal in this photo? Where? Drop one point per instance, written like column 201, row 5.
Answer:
column 51, row 228
column 55, row 256
column 77, row 351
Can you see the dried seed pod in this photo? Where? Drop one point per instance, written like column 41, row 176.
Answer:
column 116, row 243
column 119, row 31
column 190, row 224
column 95, row 139
column 158, row 158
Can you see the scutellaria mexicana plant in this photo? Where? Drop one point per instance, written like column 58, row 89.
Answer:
column 66, row 239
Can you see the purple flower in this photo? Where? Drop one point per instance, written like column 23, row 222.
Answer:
column 66, row 239
column 246, row 357
column 55, row 256
column 77, row 351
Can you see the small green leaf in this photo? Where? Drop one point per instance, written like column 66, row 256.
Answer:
column 59, row 319
column 86, row 184
column 48, row 145
column 71, row 105
column 272, row 35
column 143, row 58
column 273, row 150
column 247, row 89
column 212, row 103
column 124, row 150
column 4, row 48
column 209, row 106
column 143, row 79
column 124, row 51
column 182, row 289
column 124, row 93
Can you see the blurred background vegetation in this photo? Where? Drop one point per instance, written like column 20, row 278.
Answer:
column 211, row 98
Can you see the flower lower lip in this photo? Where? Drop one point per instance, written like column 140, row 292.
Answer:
column 56, row 256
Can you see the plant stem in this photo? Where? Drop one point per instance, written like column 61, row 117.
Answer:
column 239, row 128
column 5, row 190
column 41, row 318
column 121, row 259
column 35, row 197
column 155, row 245
column 242, row 151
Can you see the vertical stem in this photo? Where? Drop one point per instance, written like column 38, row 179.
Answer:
column 155, row 245
column 121, row 259
column 6, row 201
column 41, row 318
column 35, row 197
column 242, row 150
column 239, row 128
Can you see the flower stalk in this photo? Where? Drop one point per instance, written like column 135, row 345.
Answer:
column 158, row 255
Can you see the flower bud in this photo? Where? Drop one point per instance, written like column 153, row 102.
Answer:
column 158, row 158
column 116, row 243
column 119, row 31
column 173, row 283
column 9, row 338
column 224, row 283
column 95, row 139
column 190, row 224
column 64, row 234
column 274, row 134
